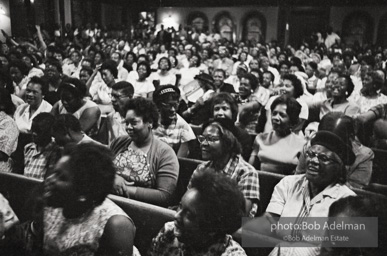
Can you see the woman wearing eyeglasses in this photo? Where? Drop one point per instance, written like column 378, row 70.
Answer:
column 311, row 194
column 277, row 151
column 147, row 168
column 223, row 152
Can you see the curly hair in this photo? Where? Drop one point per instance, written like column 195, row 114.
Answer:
column 168, row 61
column 252, row 79
column 147, row 66
column 93, row 170
column 111, row 66
column 19, row 64
column 133, row 55
column 293, row 108
column 54, row 62
column 298, row 90
column 223, row 203
column 144, row 108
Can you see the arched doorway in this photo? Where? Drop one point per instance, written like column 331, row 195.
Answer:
column 254, row 27
column 357, row 28
column 382, row 31
column 224, row 25
column 198, row 21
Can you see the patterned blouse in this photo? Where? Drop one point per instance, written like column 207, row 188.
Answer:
column 133, row 166
column 165, row 243
column 8, row 139
column 78, row 236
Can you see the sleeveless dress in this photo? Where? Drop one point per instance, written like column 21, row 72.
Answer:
column 78, row 236
column 79, row 112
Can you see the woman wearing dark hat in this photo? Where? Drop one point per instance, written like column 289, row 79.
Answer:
column 359, row 173
column 72, row 92
column 308, row 195
column 311, row 194
column 172, row 128
column 222, row 150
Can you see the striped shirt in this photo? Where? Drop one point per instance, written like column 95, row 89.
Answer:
column 37, row 162
column 175, row 134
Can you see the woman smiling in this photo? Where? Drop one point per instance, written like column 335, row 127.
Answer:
column 147, row 168
column 36, row 89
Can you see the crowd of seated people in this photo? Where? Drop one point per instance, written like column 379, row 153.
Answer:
column 310, row 113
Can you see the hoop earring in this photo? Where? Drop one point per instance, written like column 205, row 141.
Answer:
column 82, row 199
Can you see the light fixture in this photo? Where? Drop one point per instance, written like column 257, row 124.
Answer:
column 32, row 1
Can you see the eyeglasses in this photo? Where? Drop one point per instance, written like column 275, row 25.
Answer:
column 322, row 158
column 209, row 140
column 170, row 105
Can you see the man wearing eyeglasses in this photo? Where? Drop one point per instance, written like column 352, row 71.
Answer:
column 122, row 92
column 173, row 129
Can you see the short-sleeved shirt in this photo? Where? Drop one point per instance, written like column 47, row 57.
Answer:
column 24, row 119
column 348, row 108
column 291, row 198
column 175, row 134
column 37, row 162
column 141, row 87
column 169, row 78
column 380, row 111
column 166, row 243
column 366, row 103
column 241, row 171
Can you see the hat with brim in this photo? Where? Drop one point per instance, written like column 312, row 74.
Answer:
column 335, row 144
column 165, row 90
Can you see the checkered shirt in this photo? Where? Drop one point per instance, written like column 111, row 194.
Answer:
column 36, row 163
column 245, row 175
column 176, row 133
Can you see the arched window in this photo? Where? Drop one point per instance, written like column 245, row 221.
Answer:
column 382, row 31
column 198, row 21
column 357, row 28
column 224, row 25
column 254, row 27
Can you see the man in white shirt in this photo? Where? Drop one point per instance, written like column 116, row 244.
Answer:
column 122, row 72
